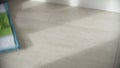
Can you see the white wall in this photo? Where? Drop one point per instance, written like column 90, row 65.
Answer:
column 109, row 5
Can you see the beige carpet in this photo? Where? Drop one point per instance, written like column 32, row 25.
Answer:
column 57, row 36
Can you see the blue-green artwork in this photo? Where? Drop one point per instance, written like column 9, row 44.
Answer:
column 8, row 37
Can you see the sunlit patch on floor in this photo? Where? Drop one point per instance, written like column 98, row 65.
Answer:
column 74, row 3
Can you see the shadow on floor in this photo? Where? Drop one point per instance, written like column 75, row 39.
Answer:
column 117, row 63
column 99, row 56
column 14, row 10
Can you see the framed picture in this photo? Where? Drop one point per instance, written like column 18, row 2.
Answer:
column 8, row 37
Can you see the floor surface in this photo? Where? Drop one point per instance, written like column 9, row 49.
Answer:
column 58, row 36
